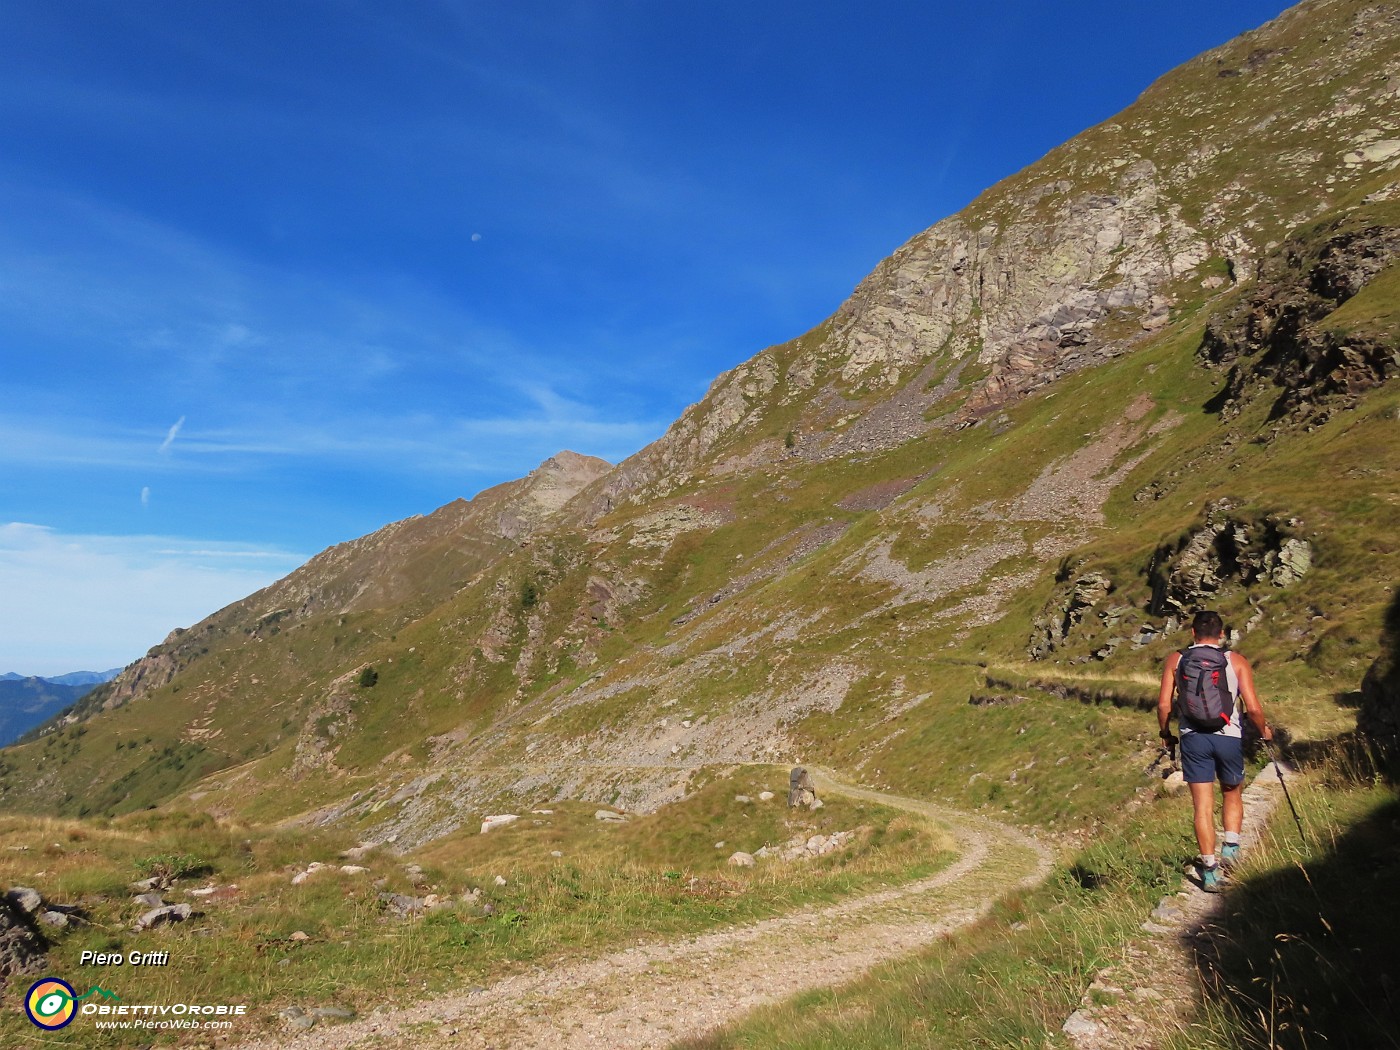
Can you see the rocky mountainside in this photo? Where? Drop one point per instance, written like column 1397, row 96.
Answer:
column 1154, row 369
column 416, row 562
column 1078, row 258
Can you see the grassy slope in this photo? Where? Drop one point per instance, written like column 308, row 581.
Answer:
column 652, row 878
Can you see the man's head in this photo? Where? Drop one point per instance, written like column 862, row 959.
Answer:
column 1207, row 627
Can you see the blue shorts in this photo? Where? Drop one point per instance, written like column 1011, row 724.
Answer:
column 1206, row 757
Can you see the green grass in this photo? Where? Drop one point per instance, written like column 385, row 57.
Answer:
column 1305, row 954
column 656, row 877
column 1008, row 981
column 1374, row 311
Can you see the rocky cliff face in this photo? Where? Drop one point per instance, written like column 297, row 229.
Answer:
column 1082, row 255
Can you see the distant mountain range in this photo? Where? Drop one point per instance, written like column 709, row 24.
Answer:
column 27, row 701
column 72, row 678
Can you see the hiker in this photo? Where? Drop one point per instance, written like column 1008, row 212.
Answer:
column 1207, row 682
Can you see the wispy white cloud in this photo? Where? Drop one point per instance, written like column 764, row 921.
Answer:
column 427, row 443
column 170, row 436
column 145, row 495
column 92, row 602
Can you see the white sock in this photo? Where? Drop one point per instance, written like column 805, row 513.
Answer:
column 1207, row 860
column 1232, row 838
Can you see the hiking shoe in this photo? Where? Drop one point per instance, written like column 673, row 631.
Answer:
column 1210, row 878
column 1230, row 854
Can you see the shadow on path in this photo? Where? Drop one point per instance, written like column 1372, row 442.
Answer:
column 1309, row 956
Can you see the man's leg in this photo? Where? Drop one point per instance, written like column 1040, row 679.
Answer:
column 1203, row 808
column 1230, row 763
column 1232, row 807
column 1199, row 769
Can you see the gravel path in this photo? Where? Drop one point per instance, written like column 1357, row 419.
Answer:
column 650, row 996
column 1154, row 988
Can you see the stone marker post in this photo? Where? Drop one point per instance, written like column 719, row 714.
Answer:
column 801, row 791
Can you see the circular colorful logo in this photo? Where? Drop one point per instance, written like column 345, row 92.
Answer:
column 50, row 1003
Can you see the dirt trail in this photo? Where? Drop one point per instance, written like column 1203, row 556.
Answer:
column 1153, row 989
column 651, row 995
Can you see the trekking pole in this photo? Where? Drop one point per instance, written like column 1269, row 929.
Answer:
column 1161, row 754
column 1284, row 784
column 1167, row 750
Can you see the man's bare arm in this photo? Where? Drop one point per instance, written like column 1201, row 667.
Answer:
column 1165, row 693
column 1252, row 706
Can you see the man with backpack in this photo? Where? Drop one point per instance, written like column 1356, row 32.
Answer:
column 1203, row 685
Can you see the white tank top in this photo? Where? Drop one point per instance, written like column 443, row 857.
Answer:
column 1235, row 727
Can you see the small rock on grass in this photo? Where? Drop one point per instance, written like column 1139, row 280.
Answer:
column 161, row 916
column 1167, row 912
column 402, row 904
column 296, row 1017
column 741, row 860
column 1082, row 1028
column 765, row 796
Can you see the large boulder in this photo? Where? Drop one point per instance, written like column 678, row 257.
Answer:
column 801, row 790
column 22, row 946
column 1065, row 611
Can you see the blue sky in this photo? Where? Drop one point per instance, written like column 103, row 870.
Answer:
column 275, row 274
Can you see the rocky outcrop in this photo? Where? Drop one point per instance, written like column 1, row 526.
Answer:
column 1226, row 550
column 1065, row 611
column 22, row 946
column 1073, row 261
column 1276, row 339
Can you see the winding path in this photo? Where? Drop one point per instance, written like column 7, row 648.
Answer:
column 650, row 996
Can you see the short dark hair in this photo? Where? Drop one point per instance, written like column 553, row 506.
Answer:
column 1208, row 625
